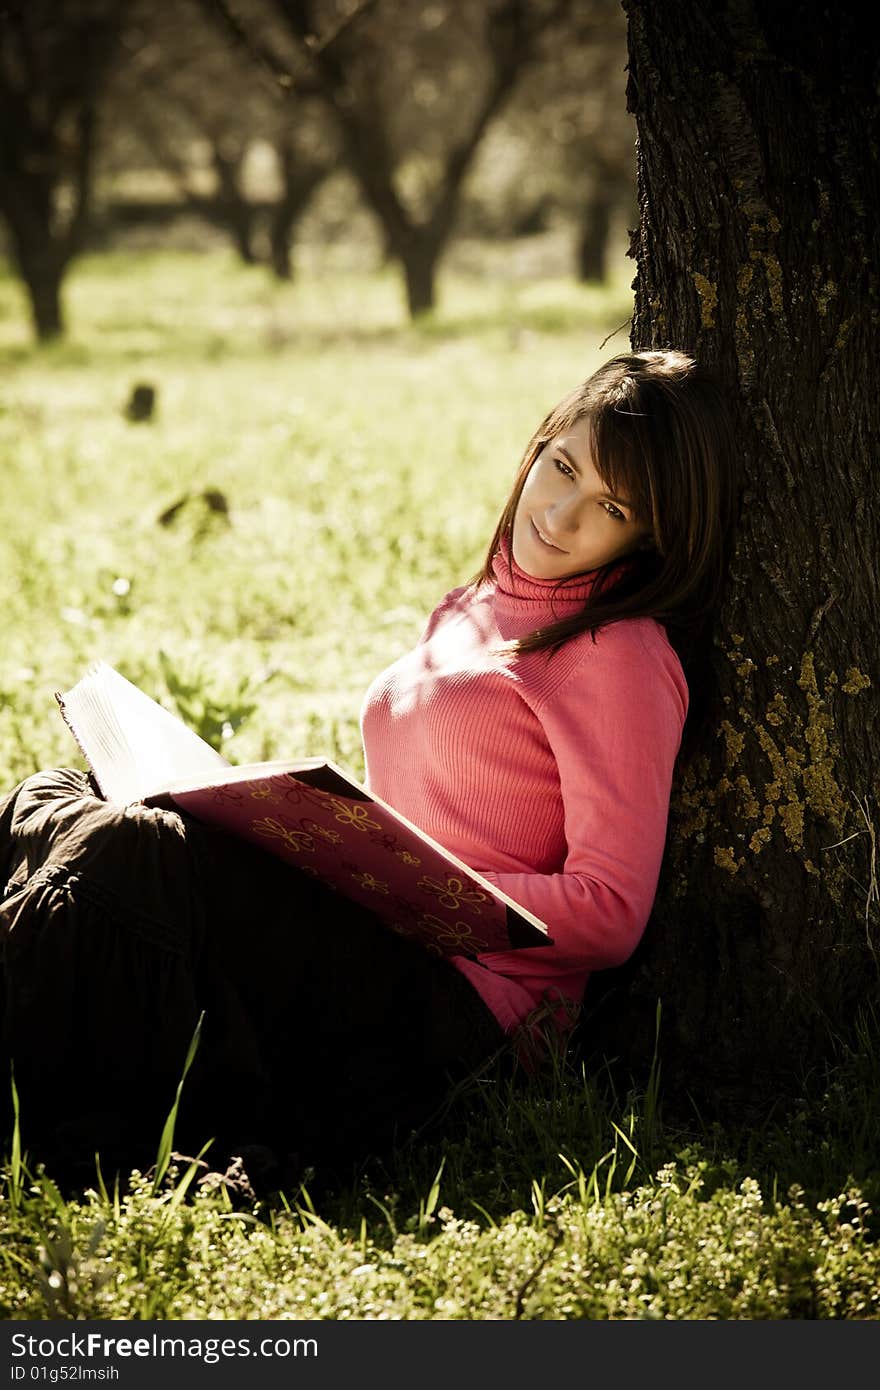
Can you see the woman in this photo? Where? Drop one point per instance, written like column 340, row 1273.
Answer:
column 533, row 731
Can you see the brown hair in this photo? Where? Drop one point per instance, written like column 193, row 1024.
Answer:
column 662, row 437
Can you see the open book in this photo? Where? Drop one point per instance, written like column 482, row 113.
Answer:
column 310, row 813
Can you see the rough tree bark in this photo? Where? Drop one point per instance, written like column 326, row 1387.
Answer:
column 757, row 249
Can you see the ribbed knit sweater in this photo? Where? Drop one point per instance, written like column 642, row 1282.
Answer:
column 548, row 773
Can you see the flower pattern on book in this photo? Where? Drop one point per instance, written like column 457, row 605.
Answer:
column 226, row 794
column 372, row 884
column 453, row 893
column 322, row 832
column 355, row 815
column 385, row 840
column 293, row 839
column 455, row 936
column 361, row 850
column 292, row 792
column 264, row 791
column 314, row 794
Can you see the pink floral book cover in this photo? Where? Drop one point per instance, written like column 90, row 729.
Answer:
column 310, row 813
column 328, row 825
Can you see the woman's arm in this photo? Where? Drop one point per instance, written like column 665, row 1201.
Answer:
column 615, row 729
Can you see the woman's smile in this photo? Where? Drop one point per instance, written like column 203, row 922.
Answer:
column 545, row 539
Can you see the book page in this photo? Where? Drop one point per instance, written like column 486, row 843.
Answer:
column 133, row 745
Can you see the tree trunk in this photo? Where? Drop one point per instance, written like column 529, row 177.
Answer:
column 40, row 263
column 44, row 293
column 280, row 236
column 595, row 228
column 419, row 259
column 300, row 180
column 757, row 249
column 235, row 210
column 43, row 244
column 53, row 63
column 239, row 218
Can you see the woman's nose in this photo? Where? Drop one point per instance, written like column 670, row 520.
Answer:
column 565, row 514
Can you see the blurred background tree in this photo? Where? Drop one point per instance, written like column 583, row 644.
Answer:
column 412, row 91
column 563, row 154
column 126, row 122
column 55, row 60
column 190, row 114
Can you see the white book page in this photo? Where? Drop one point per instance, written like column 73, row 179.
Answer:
column 132, row 743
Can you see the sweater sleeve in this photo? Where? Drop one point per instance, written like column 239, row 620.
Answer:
column 614, row 729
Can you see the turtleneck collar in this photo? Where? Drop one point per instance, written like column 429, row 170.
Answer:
column 519, row 589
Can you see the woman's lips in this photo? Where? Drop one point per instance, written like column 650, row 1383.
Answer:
column 542, row 540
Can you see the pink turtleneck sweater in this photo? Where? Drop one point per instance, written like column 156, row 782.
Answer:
column 548, row 773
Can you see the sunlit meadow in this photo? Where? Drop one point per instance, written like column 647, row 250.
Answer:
column 362, row 463
column 317, row 474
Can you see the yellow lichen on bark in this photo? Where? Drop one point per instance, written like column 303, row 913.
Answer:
column 842, row 334
column 773, row 276
column 749, row 803
column 658, row 315
column 708, row 299
column 726, row 859
column 802, row 785
column 734, row 742
column 742, row 335
column 823, row 793
column 823, row 292
column 791, row 814
column 855, row 682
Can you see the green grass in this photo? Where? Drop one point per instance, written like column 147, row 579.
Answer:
column 363, row 461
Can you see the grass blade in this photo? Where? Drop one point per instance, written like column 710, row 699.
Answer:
column 166, row 1143
column 16, row 1167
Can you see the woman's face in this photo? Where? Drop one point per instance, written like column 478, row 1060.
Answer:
column 566, row 520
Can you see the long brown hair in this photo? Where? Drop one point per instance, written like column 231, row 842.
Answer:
column 662, row 437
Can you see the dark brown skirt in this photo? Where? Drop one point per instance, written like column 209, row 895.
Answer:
column 325, row 1039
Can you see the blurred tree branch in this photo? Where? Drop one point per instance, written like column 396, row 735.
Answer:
column 266, row 54
column 190, row 102
column 336, row 61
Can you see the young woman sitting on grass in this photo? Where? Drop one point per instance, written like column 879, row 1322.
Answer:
column 532, row 731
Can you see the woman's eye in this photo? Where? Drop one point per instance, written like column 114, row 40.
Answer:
column 613, row 511
column 565, row 469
